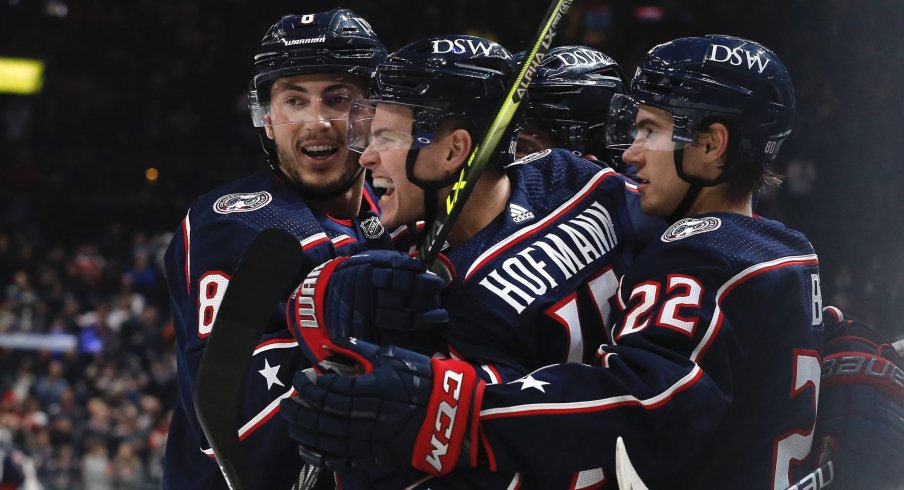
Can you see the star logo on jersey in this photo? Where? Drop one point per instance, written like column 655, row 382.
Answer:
column 269, row 373
column 690, row 227
column 519, row 213
column 242, row 202
column 529, row 382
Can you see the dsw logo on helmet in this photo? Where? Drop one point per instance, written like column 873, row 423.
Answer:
column 582, row 56
column 725, row 54
column 460, row 46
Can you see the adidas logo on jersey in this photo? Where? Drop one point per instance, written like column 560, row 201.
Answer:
column 520, row 214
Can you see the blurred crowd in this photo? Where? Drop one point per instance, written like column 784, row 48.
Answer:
column 160, row 84
column 94, row 416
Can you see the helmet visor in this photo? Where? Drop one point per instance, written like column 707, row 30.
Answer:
column 298, row 101
column 380, row 125
column 648, row 128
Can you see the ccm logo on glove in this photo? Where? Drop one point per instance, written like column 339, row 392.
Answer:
column 439, row 441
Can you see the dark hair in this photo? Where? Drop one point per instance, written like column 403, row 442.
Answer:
column 742, row 176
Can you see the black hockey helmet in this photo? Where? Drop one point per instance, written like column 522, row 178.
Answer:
column 334, row 41
column 441, row 77
column 570, row 94
column 715, row 77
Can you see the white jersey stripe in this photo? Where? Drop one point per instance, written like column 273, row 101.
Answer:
column 313, row 240
column 528, row 230
column 186, row 235
column 275, row 344
column 259, row 419
column 594, row 405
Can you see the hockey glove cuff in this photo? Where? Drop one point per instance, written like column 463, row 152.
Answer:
column 410, row 411
column 382, row 297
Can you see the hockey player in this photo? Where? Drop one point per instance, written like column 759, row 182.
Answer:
column 712, row 375
column 538, row 248
column 568, row 101
column 307, row 71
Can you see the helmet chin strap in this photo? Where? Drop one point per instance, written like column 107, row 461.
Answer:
column 429, row 196
column 430, row 188
column 690, row 196
column 693, row 191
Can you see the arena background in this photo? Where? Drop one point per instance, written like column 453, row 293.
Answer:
column 142, row 107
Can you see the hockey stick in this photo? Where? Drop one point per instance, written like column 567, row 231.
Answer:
column 263, row 278
column 481, row 153
column 625, row 474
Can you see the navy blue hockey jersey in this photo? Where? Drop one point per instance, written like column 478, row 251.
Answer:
column 712, row 376
column 537, row 285
column 199, row 261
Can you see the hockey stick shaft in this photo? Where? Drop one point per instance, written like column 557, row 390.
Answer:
column 262, row 278
column 482, row 152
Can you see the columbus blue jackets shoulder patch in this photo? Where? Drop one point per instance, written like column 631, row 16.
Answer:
column 242, row 202
column 689, row 227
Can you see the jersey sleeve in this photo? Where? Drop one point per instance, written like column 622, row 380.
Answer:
column 651, row 397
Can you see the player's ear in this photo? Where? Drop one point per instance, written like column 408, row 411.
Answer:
column 458, row 148
column 714, row 142
column 268, row 128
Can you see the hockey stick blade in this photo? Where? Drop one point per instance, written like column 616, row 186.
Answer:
column 481, row 153
column 263, row 277
column 625, row 474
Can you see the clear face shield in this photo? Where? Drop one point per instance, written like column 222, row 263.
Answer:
column 380, row 126
column 644, row 127
column 302, row 99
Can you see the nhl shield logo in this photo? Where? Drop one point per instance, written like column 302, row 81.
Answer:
column 689, row 227
column 242, row 202
column 372, row 227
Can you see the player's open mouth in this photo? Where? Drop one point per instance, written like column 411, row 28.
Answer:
column 319, row 151
column 384, row 187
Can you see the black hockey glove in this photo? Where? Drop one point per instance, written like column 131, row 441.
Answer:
column 380, row 296
column 861, row 405
column 411, row 410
